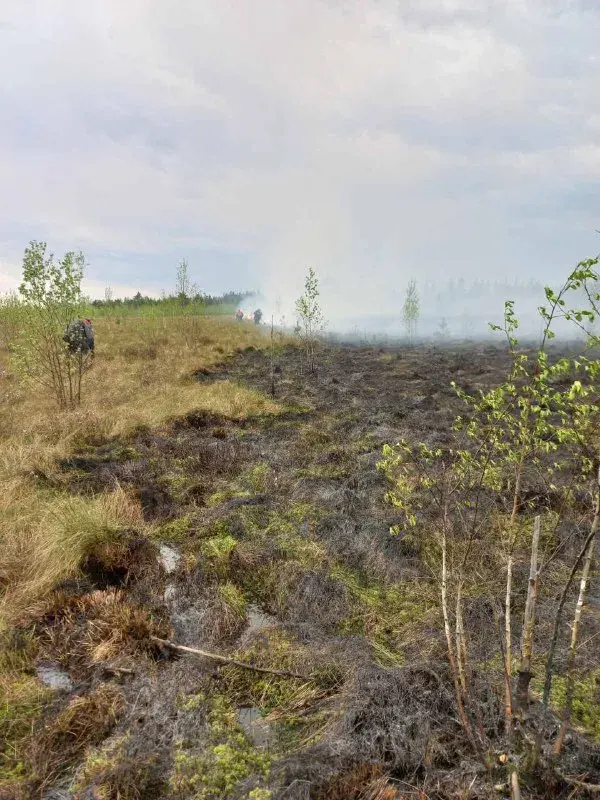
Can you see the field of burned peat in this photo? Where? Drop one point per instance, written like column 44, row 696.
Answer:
column 267, row 540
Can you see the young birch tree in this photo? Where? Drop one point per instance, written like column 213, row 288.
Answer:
column 184, row 288
column 51, row 296
column 411, row 310
column 311, row 322
column 539, row 424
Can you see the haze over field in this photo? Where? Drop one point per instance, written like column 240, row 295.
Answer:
column 377, row 141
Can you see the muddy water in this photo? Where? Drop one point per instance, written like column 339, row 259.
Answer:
column 256, row 728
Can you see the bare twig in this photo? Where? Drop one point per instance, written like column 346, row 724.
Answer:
column 592, row 788
column 180, row 648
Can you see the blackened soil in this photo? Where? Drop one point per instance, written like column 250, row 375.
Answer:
column 386, row 720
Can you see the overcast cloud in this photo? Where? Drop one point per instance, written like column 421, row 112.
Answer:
column 375, row 140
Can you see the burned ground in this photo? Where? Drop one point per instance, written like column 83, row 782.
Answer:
column 278, row 550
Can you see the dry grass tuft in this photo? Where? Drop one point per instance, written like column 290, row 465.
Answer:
column 22, row 703
column 118, row 771
column 96, row 628
column 226, row 613
column 85, row 722
column 119, row 628
column 359, row 782
column 46, row 537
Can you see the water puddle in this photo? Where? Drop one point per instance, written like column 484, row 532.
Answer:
column 256, row 728
column 168, row 558
column 257, row 620
column 54, row 677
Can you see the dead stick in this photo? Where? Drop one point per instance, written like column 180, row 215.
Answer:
column 180, row 648
column 592, row 788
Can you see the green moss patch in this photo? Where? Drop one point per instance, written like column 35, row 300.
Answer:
column 225, row 759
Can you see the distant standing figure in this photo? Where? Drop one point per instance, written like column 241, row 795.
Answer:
column 79, row 336
column 239, row 315
column 257, row 316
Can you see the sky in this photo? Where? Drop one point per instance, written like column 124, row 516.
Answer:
column 377, row 141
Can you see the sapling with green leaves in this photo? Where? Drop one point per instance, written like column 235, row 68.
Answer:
column 311, row 322
column 184, row 287
column 411, row 310
column 537, row 423
column 12, row 317
column 50, row 293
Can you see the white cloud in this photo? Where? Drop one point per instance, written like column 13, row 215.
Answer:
column 375, row 139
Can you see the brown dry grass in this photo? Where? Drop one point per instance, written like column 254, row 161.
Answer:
column 45, row 536
column 102, row 627
column 143, row 375
column 85, row 722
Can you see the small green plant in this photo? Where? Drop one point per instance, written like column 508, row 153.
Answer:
column 311, row 322
column 536, row 426
column 411, row 310
column 51, row 296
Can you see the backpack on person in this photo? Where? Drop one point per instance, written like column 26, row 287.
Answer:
column 79, row 336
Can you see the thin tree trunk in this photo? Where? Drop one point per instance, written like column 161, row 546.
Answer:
column 461, row 641
column 450, row 645
column 508, row 704
column 522, row 693
column 559, row 610
column 583, row 585
column 515, row 790
column 508, row 643
column 272, row 362
column 558, row 616
column 517, row 492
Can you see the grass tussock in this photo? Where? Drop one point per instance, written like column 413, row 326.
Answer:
column 118, row 771
column 85, row 722
column 22, row 702
column 97, row 628
column 45, row 538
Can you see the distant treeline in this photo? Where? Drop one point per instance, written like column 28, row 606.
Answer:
column 169, row 304
column 229, row 298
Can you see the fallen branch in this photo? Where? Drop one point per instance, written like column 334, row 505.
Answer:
column 180, row 648
column 112, row 670
column 592, row 788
